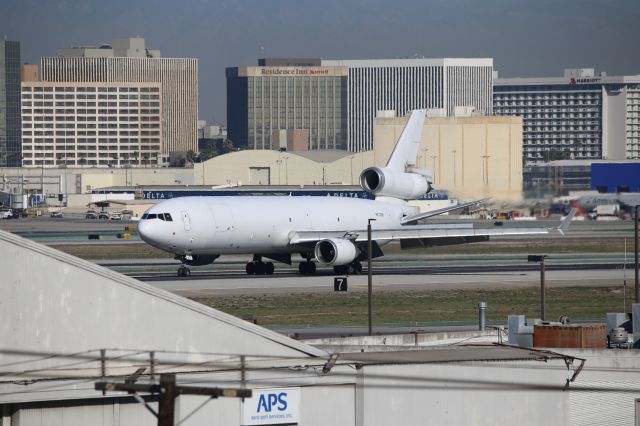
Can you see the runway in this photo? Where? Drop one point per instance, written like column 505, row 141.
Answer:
column 195, row 287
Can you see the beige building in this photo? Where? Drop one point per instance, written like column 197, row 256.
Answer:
column 472, row 157
column 91, row 124
column 268, row 167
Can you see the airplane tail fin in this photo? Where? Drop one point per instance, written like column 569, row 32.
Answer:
column 406, row 150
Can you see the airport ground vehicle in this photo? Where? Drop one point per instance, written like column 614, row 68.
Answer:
column 91, row 214
column 6, row 214
column 104, row 215
column 57, row 214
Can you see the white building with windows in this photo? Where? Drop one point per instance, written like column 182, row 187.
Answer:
column 91, row 124
column 128, row 60
column 580, row 115
column 406, row 84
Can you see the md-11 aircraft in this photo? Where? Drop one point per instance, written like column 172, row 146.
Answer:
column 330, row 230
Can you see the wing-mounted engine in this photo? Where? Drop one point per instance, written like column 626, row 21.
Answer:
column 385, row 182
column 335, row 251
column 197, row 259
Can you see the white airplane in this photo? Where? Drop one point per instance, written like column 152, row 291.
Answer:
column 330, row 229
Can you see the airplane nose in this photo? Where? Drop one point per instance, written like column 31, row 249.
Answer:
column 148, row 232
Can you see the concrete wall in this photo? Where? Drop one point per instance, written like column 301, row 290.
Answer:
column 286, row 168
column 472, row 157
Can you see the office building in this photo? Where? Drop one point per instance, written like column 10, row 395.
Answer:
column 10, row 152
column 129, row 61
column 578, row 116
column 406, row 84
column 287, row 107
column 91, row 124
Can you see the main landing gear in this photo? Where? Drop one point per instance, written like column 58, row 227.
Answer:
column 183, row 271
column 258, row 267
column 353, row 268
column 307, row 268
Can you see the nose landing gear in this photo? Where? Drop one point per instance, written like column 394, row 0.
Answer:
column 183, row 271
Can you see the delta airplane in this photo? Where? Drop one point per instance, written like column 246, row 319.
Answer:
column 330, row 230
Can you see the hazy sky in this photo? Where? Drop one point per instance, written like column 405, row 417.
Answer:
column 525, row 38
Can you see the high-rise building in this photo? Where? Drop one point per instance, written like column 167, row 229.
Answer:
column 129, row 61
column 10, row 125
column 287, row 107
column 580, row 115
column 92, row 124
column 406, row 84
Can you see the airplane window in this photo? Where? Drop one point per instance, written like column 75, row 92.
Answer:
column 144, row 216
column 151, row 216
column 167, row 217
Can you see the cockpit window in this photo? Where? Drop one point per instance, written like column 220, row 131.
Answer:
column 161, row 216
column 151, row 216
column 144, row 216
column 167, row 217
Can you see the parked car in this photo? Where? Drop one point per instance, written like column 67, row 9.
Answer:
column 57, row 214
column 91, row 214
column 116, row 216
column 6, row 214
column 104, row 215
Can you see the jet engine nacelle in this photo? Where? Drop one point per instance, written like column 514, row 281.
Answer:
column 198, row 259
column 382, row 182
column 335, row 251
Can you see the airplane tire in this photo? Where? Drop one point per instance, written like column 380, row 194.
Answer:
column 356, row 268
column 307, row 268
column 260, row 268
column 250, row 268
column 311, row 268
column 269, row 268
column 341, row 270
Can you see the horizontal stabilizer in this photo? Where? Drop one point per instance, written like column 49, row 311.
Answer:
column 564, row 225
column 410, row 220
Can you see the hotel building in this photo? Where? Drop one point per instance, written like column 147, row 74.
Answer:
column 578, row 116
column 91, row 124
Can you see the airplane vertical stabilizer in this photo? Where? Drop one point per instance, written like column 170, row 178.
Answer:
column 406, row 150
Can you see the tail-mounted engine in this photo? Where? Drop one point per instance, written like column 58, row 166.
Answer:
column 335, row 251
column 383, row 182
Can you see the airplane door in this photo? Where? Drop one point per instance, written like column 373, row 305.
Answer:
column 186, row 221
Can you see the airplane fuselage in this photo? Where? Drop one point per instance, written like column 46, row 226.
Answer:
column 253, row 224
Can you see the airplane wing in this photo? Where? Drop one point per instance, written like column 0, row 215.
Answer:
column 415, row 218
column 429, row 234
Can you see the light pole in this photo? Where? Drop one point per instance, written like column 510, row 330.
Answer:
column 485, row 169
column 351, row 159
column 454, row 166
column 540, row 259
column 424, row 155
column 433, row 157
column 286, row 170
column 370, row 279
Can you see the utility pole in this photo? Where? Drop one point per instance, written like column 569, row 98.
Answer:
column 168, row 391
column 540, row 259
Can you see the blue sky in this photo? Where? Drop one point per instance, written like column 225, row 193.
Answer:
column 525, row 38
